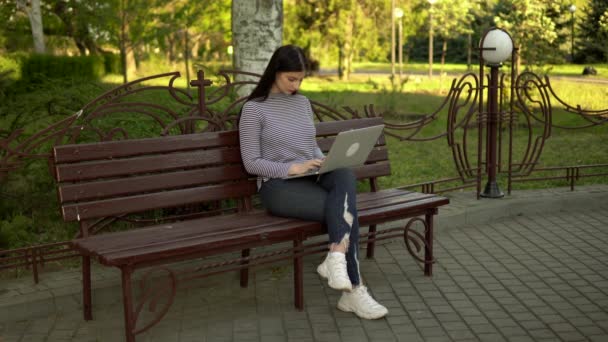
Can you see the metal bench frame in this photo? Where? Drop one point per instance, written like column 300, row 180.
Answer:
column 105, row 181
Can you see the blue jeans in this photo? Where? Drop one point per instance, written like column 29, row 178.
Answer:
column 331, row 199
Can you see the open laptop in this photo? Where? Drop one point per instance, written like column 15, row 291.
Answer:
column 350, row 148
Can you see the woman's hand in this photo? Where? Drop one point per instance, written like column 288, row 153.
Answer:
column 296, row 169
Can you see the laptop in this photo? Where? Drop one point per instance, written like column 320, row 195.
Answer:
column 350, row 148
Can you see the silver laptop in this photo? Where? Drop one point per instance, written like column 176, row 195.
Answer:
column 350, row 148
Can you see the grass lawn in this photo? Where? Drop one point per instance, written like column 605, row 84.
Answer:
column 452, row 68
column 415, row 162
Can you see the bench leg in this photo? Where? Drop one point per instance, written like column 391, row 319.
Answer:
column 428, row 246
column 298, row 276
column 127, row 300
column 245, row 271
column 371, row 245
column 86, row 288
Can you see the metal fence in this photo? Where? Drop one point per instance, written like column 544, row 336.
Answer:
column 524, row 100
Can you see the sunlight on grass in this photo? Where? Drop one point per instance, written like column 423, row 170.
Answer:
column 453, row 68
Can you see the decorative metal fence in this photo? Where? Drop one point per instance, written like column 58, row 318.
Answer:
column 119, row 114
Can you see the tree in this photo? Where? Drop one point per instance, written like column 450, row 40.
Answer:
column 83, row 21
column 592, row 40
column 604, row 21
column 533, row 31
column 32, row 9
column 132, row 28
column 345, row 30
column 451, row 19
column 257, row 31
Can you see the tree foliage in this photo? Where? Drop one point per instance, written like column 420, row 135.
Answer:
column 335, row 32
column 339, row 30
column 451, row 20
column 592, row 33
column 530, row 26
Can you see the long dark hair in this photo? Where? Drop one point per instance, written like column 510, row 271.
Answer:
column 286, row 58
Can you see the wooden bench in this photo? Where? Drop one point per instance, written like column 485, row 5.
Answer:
column 102, row 182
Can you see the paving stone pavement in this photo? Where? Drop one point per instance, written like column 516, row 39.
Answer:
column 530, row 267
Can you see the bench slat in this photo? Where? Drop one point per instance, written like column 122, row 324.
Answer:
column 392, row 212
column 248, row 236
column 372, row 170
column 184, row 230
column 143, row 164
column 135, row 147
column 370, row 200
column 157, row 200
column 334, row 127
column 85, row 191
column 233, row 232
column 325, row 143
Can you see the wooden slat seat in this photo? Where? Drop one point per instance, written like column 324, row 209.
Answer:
column 105, row 181
column 204, row 236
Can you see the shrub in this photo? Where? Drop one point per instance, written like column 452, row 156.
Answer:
column 9, row 65
column 39, row 66
column 111, row 63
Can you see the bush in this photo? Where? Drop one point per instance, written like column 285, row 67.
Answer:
column 111, row 63
column 9, row 64
column 16, row 232
column 39, row 66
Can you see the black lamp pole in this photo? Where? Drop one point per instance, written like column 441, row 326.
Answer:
column 495, row 47
column 492, row 190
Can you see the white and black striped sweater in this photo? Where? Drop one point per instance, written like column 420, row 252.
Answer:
column 276, row 133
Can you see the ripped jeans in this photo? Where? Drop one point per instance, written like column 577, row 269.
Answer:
column 332, row 200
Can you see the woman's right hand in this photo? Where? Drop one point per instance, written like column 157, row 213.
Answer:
column 296, row 169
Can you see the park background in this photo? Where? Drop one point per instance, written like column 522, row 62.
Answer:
column 58, row 55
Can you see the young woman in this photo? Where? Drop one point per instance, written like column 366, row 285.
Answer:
column 277, row 137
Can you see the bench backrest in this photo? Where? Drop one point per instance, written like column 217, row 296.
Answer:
column 115, row 178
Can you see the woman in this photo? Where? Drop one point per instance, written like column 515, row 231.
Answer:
column 277, row 137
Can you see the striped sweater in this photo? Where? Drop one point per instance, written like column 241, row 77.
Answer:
column 276, row 133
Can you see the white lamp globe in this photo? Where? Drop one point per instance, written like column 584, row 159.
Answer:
column 501, row 44
column 398, row 13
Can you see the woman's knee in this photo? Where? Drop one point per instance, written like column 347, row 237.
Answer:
column 346, row 174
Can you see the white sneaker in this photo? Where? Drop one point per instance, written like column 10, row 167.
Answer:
column 362, row 304
column 334, row 270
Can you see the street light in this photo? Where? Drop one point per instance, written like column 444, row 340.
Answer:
column 496, row 46
column 431, row 2
column 399, row 15
column 572, row 8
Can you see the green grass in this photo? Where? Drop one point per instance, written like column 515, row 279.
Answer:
column 415, row 162
column 453, row 68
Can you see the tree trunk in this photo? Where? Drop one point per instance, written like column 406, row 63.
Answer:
column 469, row 45
column 340, row 60
column 257, row 31
column 347, row 58
column 36, row 22
column 123, row 42
column 35, row 16
column 196, row 46
column 444, row 51
column 170, row 47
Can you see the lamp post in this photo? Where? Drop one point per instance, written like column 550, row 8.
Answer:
column 496, row 46
column 398, row 16
column 572, row 8
column 431, row 2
